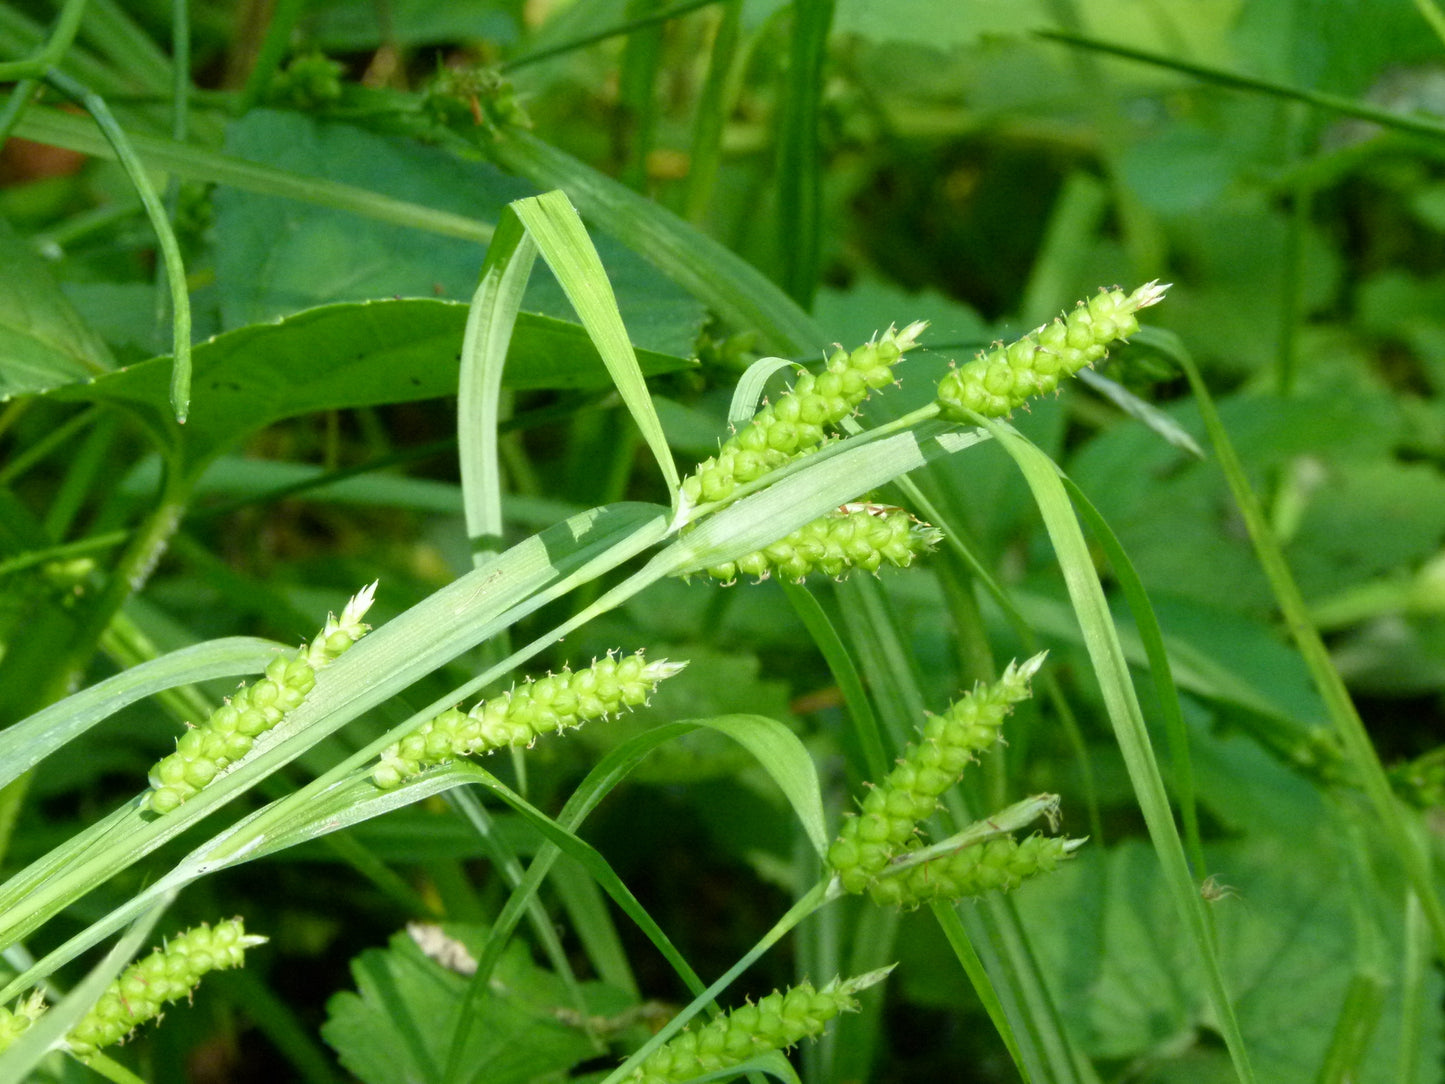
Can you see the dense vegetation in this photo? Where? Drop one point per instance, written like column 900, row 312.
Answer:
column 1122, row 677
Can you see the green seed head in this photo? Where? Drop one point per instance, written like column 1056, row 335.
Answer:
column 800, row 418
column 16, row 1022
column 340, row 633
column 167, row 974
column 856, row 536
column 996, row 865
column 996, row 382
column 777, row 1022
column 231, row 730
column 890, row 813
column 556, row 702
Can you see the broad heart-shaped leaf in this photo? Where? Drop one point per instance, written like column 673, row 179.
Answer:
column 1109, row 942
column 395, row 1028
column 276, row 256
column 43, row 341
column 341, row 356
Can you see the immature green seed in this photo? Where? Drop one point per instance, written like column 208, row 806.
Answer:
column 557, row 702
column 887, row 821
column 857, row 536
column 799, row 421
column 167, row 974
column 16, row 1022
column 228, row 735
column 776, row 1022
column 996, row 865
column 1007, row 376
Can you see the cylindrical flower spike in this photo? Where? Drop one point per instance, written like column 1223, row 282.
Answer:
column 518, row 717
column 167, row 974
column 227, row 736
column 888, row 819
column 775, row 1023
column 856, row 536
column 996, row 865
column 16, row 1022
column 798, row 421
column 1007, row 376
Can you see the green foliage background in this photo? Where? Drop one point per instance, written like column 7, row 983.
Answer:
column 758, row 178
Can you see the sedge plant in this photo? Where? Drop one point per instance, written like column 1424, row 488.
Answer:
column 809, row 488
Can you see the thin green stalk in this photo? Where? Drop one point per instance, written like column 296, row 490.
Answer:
column 642, row 22
column 1412, row 990
column 1293, row 272
column 799, row 170
column 165, row 236
column 714, row 106
column 19, row 99
column 637, row 105
column 1359, row 749
column 180, row 71
column 33, row 67
column 112, row 1070
column 111, row 31
column 79, row 548
column 59, row 129
column 845, row 673
column 1152, row 638
column 1418, row 123
column 277, row 43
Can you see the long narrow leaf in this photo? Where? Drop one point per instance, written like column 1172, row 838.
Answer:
column 1112, row 671
column 452, row 620
column 1359, row 749
column 31, row 740
column 731, row 286
column 490, row 321
column 553, row 223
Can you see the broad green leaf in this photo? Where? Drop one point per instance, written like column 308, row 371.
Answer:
column 276, row 256
column 43, row 341
column 29, row 741
column 394, row 1029
column 339, row 356
column 1119, row 964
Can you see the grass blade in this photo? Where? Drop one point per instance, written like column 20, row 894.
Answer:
column 1359, row 749
column 490, row 320
column 553, row 223
column 1101, row 639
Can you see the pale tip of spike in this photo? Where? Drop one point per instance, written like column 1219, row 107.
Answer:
column 359, row 603
column 1029, row 667
column 1151, row 293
